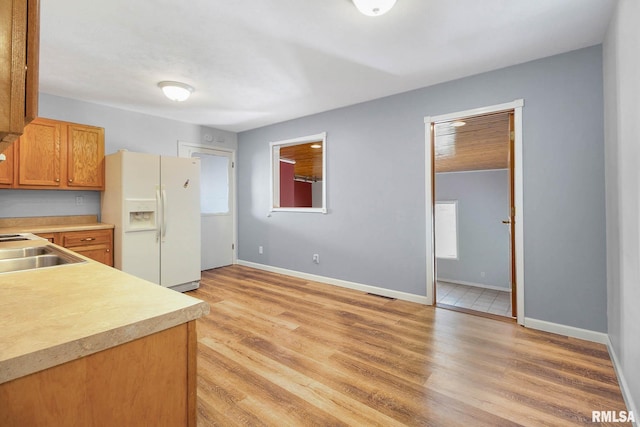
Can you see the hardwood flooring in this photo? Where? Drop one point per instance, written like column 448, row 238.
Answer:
column 277, row 350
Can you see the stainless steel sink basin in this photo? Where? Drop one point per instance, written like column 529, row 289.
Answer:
column 23, row 252
column 12, row 239
column 18, row 259
column 17, row 237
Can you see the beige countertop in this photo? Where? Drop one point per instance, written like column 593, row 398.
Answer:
column 55, row 228
column 53, row 315
column 51, row 224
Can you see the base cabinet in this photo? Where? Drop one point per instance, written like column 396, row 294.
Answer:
column 147, row 382
column 94, row 244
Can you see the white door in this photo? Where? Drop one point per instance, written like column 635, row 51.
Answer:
column 216, row 204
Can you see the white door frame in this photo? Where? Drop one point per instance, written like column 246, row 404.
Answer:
column 516, row 106
column 185, row 149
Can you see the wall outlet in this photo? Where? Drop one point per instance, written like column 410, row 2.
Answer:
column 316, row 258
column 79, row 200
column 482, row 274
column 260, row 250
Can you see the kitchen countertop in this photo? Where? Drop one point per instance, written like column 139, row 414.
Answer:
column 53, row 315
column 51, row 224
column 55, row 228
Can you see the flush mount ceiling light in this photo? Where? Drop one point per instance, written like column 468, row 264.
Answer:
column 176, row 91
column 316, row 145
column 458, row 123
column 374, row 7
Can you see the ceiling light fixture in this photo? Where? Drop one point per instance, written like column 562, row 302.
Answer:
column 316, row 145
column 458, row 123
column 374, row 7
column 176, row 91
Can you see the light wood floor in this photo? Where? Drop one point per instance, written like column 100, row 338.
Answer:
column 277, row 350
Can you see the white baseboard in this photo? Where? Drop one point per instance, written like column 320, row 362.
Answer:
column 476, row 285
column 622, row 381
column 569, row 331
column 337, row 282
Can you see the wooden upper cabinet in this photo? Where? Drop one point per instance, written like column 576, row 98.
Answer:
column 52, row 154
column 19, row 52
column 40, row 152
column 85, row 156
column 6, row 168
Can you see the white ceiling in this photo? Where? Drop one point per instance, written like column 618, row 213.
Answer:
column 257, row 62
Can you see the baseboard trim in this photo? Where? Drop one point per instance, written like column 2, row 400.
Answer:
column 570, row 331
column 338, row 282
column 541, row 325
column 476, row 285
column 624, row 388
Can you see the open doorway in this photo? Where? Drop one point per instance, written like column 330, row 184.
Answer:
column 472, row 204
column 474, row 189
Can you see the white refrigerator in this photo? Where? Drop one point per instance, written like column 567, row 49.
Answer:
column 154, row 203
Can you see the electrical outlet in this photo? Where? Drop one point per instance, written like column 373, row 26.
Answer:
column 260, row 250
column 482, row 274
column 79, row 200
column 316, row 258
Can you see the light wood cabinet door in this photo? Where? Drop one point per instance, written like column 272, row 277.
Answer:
column 19, row 51
column 40, row 153
column 52, row 154
column 85, row 161
column 100, row 253
column 6, row 169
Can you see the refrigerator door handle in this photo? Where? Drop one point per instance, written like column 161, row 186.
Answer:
column 159, row 202
column 164, row 214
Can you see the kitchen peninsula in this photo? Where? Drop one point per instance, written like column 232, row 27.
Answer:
column 85, row 344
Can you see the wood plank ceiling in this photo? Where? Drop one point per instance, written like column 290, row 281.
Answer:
column 308, row 160
column 481, row 143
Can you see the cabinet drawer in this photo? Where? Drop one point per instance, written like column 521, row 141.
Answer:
column 84, row 238
column 51, row 237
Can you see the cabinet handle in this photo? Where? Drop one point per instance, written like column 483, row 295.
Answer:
column 88, row 239
column 70, row 179
column 57, row 179
column 108, row 250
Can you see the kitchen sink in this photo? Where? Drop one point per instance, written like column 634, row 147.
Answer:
column 17, row 237
column 19, row 259
column 23, row 252
column 12, row 238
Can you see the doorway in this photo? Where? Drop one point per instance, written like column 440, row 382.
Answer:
column 474, row 226
column 217, row 203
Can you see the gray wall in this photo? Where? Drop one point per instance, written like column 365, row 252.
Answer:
column 374, row 232
column 483, row 241
column 622, row 153
column 123, row 129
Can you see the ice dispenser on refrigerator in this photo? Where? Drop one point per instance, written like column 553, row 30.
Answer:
column 140, row 214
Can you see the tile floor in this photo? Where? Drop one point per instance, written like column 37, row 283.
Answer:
column 473, row 298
